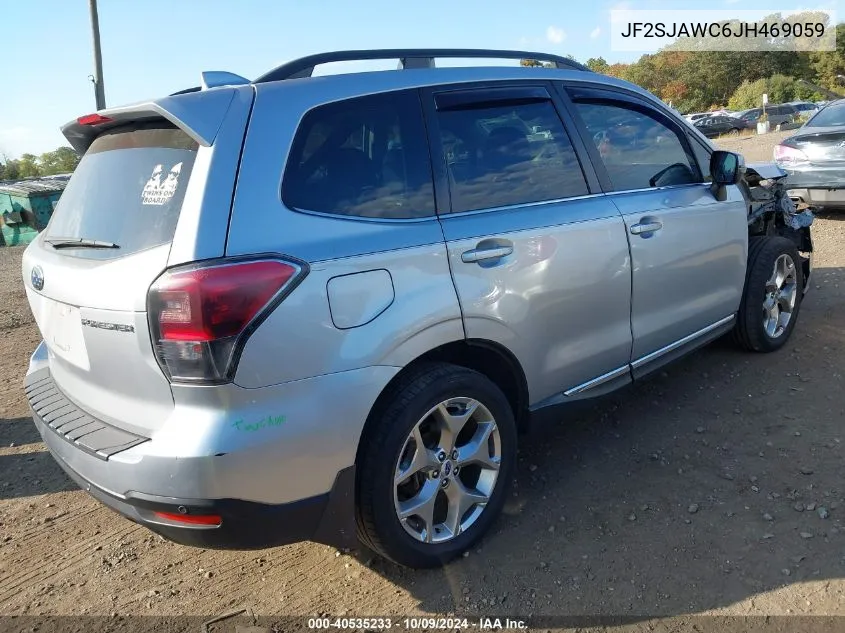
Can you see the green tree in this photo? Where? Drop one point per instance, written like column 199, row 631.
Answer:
column 779, row 89
column 59, row 161
column 828, row 65
column 598, row 65
column 28, row 166
column 748, row 95
column 11, row 171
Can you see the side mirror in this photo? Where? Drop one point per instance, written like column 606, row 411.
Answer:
column 726, row 168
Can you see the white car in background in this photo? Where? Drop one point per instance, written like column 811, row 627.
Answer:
column 692, row 118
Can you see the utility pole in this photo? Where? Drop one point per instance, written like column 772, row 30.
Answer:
column 97, row 78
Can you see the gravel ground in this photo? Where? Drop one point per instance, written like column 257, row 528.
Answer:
column 755, row 148
column 714, row 488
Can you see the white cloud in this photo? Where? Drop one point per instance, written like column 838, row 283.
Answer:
column 555, row 34
column 595, row 32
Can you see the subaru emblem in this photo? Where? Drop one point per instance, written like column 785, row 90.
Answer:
column 37, row 278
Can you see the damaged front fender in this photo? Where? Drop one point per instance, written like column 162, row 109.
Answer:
column 772, row 212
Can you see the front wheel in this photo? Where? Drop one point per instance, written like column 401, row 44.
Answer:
column 434, row 465
column 772, row 296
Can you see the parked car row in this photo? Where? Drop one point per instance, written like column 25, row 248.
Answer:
column 720, row 122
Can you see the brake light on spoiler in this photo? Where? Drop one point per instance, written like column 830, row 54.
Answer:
column 201, row 315
column 93, row 119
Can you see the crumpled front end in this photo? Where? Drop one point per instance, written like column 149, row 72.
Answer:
column 771, row 211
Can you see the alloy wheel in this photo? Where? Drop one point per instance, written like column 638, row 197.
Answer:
column 447, row 470
column 781, row 296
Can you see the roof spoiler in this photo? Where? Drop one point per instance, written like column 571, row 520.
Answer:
column 199, row 114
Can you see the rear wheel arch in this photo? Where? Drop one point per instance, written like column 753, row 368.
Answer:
column 489, row 358
column 481, row 371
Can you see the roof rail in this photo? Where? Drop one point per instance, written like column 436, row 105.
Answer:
column 408, row 58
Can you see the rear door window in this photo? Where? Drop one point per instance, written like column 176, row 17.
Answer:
column 500, row 154
column 365, row 157
column 127, row 189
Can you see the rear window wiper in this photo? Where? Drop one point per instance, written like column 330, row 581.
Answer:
column 78, row 242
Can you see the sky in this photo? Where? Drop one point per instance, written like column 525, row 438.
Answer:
column 155, row 47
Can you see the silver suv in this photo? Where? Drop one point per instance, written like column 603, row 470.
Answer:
column 324, row 307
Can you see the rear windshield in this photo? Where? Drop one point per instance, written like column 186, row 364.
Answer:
column 128, row 190
column 831, row 116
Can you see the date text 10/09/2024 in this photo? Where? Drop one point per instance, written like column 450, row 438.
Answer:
column 416, row 623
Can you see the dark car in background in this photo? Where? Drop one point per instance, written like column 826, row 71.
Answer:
column 777, row 114
column 719, row 125
column 814, row 158
column 805, row 108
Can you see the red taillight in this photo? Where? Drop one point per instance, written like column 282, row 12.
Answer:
column 190, row 519
column 198, row 315
column 787, row 155
column 93, row 119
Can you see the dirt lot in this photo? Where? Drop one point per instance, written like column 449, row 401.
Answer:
column 716, row 487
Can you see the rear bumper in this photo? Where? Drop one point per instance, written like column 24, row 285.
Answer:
column 244, row 525
column 817, row 186
column 271, row 483
column 819, row 196
column 326, row 518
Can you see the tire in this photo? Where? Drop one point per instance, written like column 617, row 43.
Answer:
column 389, row 444
column 751, row 330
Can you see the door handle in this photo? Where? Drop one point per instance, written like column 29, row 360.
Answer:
column 646, row 227
column 485, row 252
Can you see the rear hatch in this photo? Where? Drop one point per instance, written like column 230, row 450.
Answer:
column 88, row 274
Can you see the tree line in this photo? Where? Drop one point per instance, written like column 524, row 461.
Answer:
column 694, row 81
column 60, row 161
column 703, row 80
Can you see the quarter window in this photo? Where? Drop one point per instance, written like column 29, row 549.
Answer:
column 508, row 154
column 637, row 149
column 364, row 157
